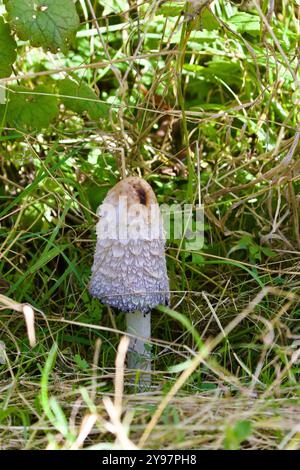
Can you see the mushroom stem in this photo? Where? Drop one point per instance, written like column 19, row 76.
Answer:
column 139, row 351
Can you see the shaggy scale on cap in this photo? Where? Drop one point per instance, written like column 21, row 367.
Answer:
column 129, row 270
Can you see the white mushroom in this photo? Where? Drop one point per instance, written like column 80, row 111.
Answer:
column 129, row 270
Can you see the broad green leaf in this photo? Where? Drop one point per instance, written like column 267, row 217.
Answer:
column 197, row 259
column 196, row 16
column 30, row 110
column 171, row 8
column 51, row 24
column 203, row 36
column 80, row 98
column 114, row 6
column 229, row 72
column 245, row 23
column 243, row 429
column 8, row 48
column 208, row 20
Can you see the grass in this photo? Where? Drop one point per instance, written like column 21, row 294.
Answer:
column 212, row 100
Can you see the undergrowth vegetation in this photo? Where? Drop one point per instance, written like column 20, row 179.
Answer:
column 199, row 98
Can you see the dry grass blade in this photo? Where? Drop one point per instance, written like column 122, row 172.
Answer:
column 28, row 313
column 87, row 425
column 119, row 374
column 117, row 427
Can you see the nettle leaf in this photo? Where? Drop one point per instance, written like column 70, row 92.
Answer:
column 82, row 99
column 51, row 24
column 8, row 48
column 31, row 110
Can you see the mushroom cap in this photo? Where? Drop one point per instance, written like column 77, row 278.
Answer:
column 129, row 270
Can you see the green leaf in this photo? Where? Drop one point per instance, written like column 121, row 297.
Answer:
column 268, row 252
column 208, row 20
column 181, row 366
column 242, row 429
column 114, row 6
column 81, row 363
column 199, row 37
column 197, row 18
column 197, row 259
column 51, row 24
column 31, row 110
column 216, row 70
column 8, row 50
column 59, row 419
column 237, row 434
column 245, row 241
column 82, row 99
column 206, row 386
column 44, row 397
column 171, row 8
column 50, row 406
column 255, row 252
column 229, row 71
column 245, row 23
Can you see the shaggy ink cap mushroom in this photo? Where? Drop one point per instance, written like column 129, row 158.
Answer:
column 129, row 270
